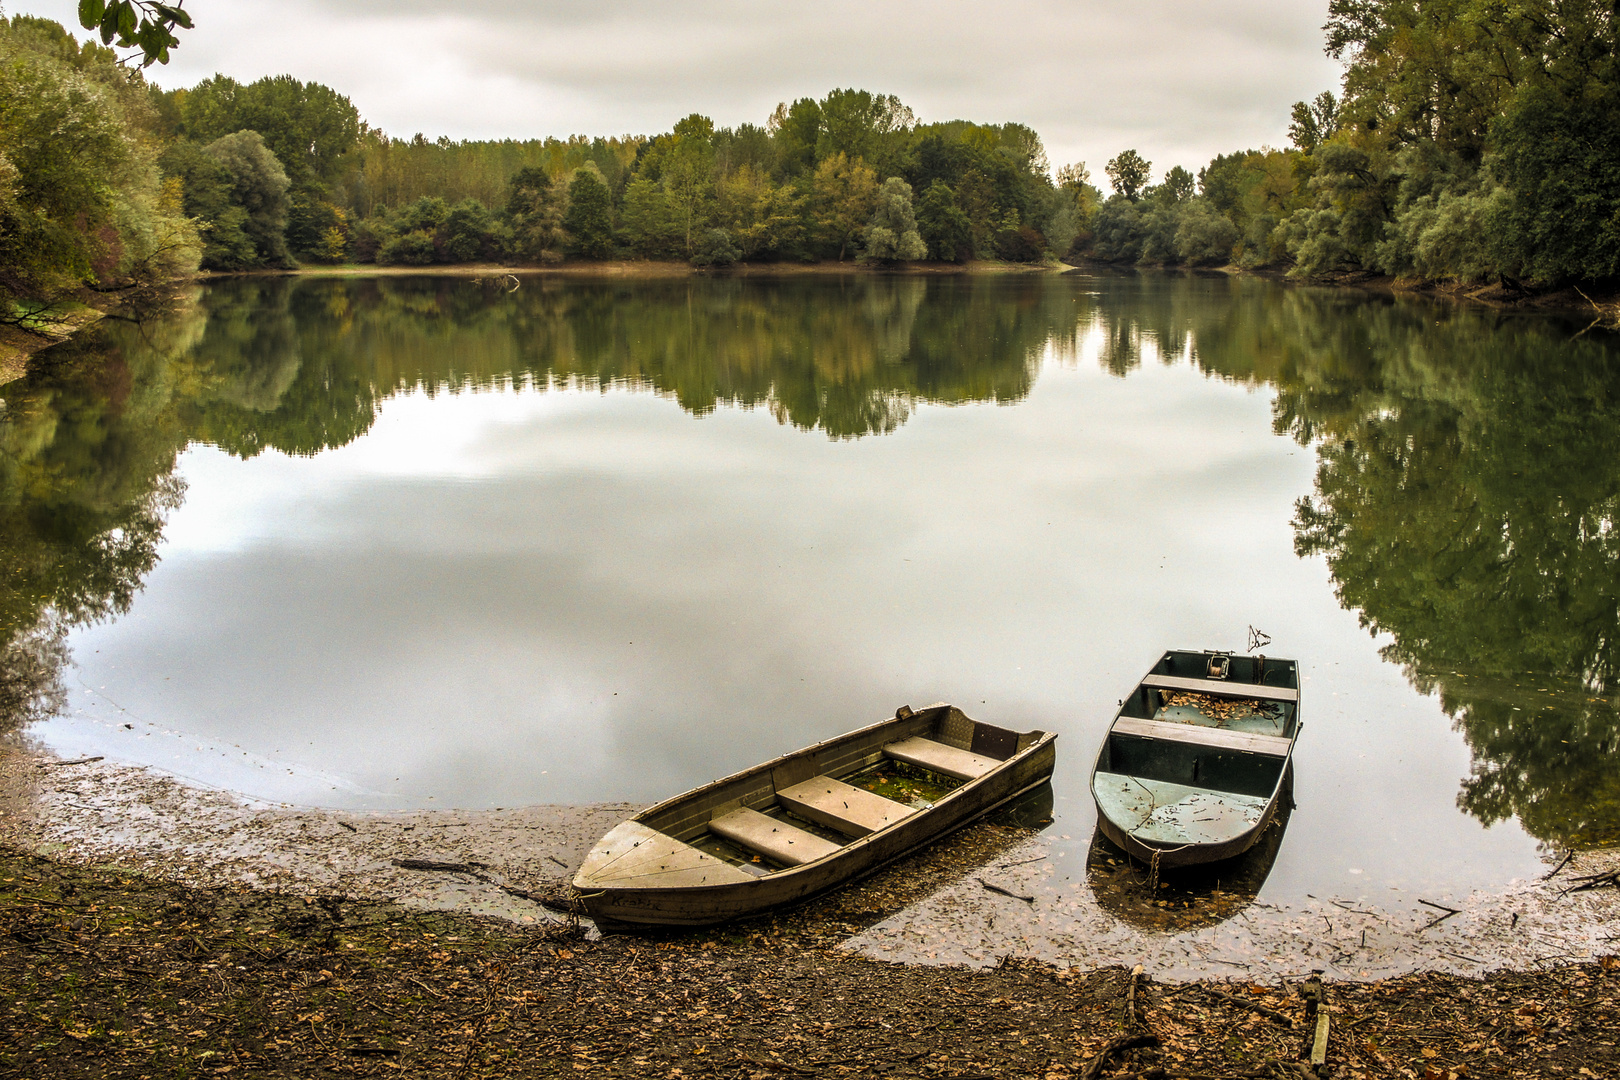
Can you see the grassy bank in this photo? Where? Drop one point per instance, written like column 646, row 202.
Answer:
column 108, row 974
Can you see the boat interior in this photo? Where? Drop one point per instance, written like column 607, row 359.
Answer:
column 1199, row 747
column 807, row 805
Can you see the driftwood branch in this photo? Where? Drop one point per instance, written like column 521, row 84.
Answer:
column 1115, row 1046
column 1280, row 1018
column 1130, row 998
column 477, row 870
column 1449, row 912
column 1595, row 881
column 1005, row 892
column 472, row 868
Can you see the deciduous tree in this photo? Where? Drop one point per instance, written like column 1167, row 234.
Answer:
column 534, row 206
column 589, row 220
column 843, row 193
column 942, row 224
column 891, row 235
column 259, row 188
column 1128, row 173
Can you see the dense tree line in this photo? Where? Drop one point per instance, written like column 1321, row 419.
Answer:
column 1472, row 140
column 850, row 175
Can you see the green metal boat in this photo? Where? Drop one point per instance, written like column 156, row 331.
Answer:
column 1198, row 757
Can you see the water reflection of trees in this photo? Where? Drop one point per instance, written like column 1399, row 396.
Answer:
column 1467, row 487
column 88, row 443
column 90, row 437
column 1465, row 502
column 1466, row 496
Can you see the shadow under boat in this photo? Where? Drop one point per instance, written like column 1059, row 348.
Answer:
column 1185, row 897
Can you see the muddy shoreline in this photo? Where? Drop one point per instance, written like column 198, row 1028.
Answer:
column 153, row 928
column 113, row 974
column 993, row 891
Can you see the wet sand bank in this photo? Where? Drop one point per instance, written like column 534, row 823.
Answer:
column 949, row 905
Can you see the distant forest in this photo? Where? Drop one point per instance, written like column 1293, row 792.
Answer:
column 1471, row 140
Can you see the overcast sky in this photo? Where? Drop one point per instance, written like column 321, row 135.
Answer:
column 1179, row 81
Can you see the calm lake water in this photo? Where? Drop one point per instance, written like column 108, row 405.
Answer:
column 407, row 542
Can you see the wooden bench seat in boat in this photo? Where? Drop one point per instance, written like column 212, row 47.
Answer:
column 1251, row 743
column 940, row 758
column 761, row 833
column 839, row 806
column 1222, row 687
column 633, row 854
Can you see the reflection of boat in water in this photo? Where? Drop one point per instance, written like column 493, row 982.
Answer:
column 806, row 822
column 1187, row 897
column 1031, row 810
column 1193, row 767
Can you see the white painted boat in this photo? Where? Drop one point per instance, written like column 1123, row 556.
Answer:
column 809, row 821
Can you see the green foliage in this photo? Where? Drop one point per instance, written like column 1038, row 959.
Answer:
column 140, row 24
column 687, row 158
column 1518, row 104
column 863, row 126
column 1160, row 221
column 1178, row 185
column 647, row 221
column 1118, row 230
column 1559, row 156
column 1313, row 124
column 765, row 219
column 414, row 247
column 796, row 130
column 208, row 188
column 1204, row 236
column 715, row 248
column 891, row 235
column 312, row 224
column 1020, row 243
column 843, row 195
column 309, row 127
column 534, row 207
column 258, row 188
column 1128, row 173
column 469, row 233
column 81, row 198
column 589, row 219
column 1066, row 214
column 942, row 224
column 61, row 142
column 384, row 171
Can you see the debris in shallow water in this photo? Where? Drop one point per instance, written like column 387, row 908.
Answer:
column 1595, row 881
column 1005, row 892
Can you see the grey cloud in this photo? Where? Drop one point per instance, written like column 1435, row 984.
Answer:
column 1180, row 81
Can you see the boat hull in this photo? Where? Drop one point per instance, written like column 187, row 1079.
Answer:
column 1189, row 855
column 1222, row 768
column 703, row 905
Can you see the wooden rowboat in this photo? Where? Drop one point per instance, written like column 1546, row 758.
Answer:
column 1198, row 757
column 808, row 821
